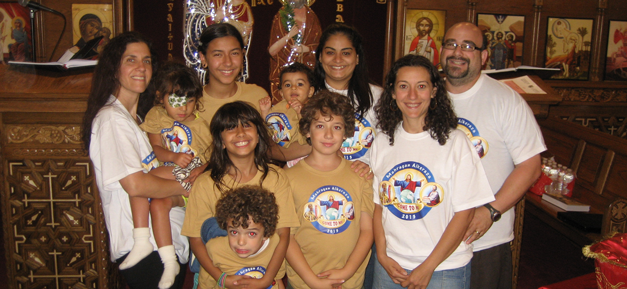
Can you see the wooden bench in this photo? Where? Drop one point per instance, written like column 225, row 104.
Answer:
column 600, row 162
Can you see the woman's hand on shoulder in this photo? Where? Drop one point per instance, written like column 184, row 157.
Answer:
column 362, row 169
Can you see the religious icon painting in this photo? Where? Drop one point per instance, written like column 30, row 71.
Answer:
column 15, row 33
column 92, row 28
column 423, row 33
column 616, row 61
column 568, row 47
column 505, row 35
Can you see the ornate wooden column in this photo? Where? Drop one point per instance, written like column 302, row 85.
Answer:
column 471, row 9
column 54, row 230
column 535, row 49
column 596, row 72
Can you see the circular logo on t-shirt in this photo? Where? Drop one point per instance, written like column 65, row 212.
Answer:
column 330, row 209
column 255, row 272
column 280, row 127
column 356, row 146
column 178, row 139
column 471, row 131
column 409, row 191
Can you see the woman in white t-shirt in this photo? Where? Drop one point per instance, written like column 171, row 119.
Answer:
column 419, row 240
column 341, row 68
column 122, row 156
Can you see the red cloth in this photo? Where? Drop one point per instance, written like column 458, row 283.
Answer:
column 613, row 250
column 582, row 282
column 610, row 260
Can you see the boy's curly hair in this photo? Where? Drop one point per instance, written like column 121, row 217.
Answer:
column 327, row 103
column 246, row 202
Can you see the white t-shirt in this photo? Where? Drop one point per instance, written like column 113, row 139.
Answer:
column 405, row 175
column 505, row 133
column 357, row 147
column 120, row 148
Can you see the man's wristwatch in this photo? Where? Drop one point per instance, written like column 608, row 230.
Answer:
column 495, row 215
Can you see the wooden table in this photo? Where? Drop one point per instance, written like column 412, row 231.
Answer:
column 547, row 212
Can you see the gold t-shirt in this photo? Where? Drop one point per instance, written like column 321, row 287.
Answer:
column 329, row 207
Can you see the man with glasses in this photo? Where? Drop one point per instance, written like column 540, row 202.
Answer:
column 494, row 113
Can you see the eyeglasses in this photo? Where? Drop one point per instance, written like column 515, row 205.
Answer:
column 464, row 46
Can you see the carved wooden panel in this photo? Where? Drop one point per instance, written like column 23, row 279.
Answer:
column 592, row 94
column 611, row 125
column 43, row 134
column 615, row 219
column 56, row 229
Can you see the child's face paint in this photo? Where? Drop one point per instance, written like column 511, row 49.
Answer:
column 177, row 101
column 180, row 108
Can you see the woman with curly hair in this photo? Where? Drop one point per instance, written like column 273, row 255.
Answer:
column 419, row 244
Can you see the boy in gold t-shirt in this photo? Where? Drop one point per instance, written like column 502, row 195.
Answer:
column 334, row 204
column 249, row 214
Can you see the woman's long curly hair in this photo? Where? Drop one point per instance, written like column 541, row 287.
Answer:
column 230, row 116
column 248, row 202
column 105, row 80
column 359, row 85
column 439, row 121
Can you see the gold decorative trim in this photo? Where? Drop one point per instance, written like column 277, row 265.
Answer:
column 29, row 152
column 592, row 94
column 44, row 134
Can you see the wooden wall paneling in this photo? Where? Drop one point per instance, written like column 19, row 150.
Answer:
column 604, row 172
column 52, row 215
column 53, row 226
column 591, row 165
column 581, row 147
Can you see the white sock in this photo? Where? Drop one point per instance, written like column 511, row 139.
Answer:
column 171, row 266
column 141, row 248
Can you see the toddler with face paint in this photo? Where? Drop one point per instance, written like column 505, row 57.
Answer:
column 179, row 139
